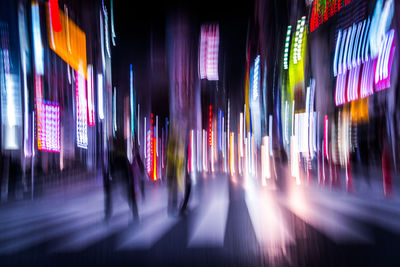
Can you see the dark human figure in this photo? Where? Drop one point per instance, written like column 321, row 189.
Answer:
column 178, row 178
column 119, row 172
column 281, row 169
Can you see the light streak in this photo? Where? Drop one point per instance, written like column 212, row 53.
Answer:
column 256, row 78
column 37, row 40
column 335, row 60
column 100, row 95
column 81, row 111
column 113, row 36
column 90, row 93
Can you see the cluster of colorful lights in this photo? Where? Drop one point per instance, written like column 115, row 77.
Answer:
column 354, row 66
column 322, row 10
column 209, row 48
column 286, row 52
column 295, row 79
column 48, row 126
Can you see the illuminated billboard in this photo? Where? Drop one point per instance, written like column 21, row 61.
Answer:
column 48, row 126
column 69, row 43
column 208, row 56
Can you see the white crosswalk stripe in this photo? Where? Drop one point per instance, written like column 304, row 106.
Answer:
column 207, row 227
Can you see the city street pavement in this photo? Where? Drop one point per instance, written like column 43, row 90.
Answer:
column 231, row 222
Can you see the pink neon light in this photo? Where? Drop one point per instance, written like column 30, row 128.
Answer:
column 81, row 110
column 148, row 153
column 90, row 96
column 326, row 137
column 190, row 152
column 340, row 90
column 352, row 87
column 367, row 78
column 384, row 62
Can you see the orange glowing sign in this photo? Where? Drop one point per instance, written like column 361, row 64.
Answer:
column 69, row 43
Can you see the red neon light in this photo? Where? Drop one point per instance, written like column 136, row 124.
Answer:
column 55, row 15
column 209, row 127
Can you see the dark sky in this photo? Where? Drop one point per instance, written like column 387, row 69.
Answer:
column 137, row 23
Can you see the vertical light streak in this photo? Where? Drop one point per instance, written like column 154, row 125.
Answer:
column 240, row 141
column 210, row 125
column 115, row 112
column 345, row 55
column 326, row 149
column 286, row 131
column 144, row 137
column 204, row 151
column 51, row 23
column 361, row 44
column 68, row 35
column 90, row 93
column 270, row 135
column 199, row 150
column 225, row 157
column 138, row 124
column 357, row 44
column 256, row 78
column 100, row 95
column 113, row 36
column 81, row 111
column 232, row 153
column 148, row 156
column 37, row 39
column 192, row 152
column 364, row 49
column 212, row 152
column 286, row 51
column 223, row 139
column 131, row 101
column 26, row 108
column 106, row 34
column 335, row 59
column 157, row 135
column 342, row 47
column 103, row 57
column 351, row 48
column 220, row 130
